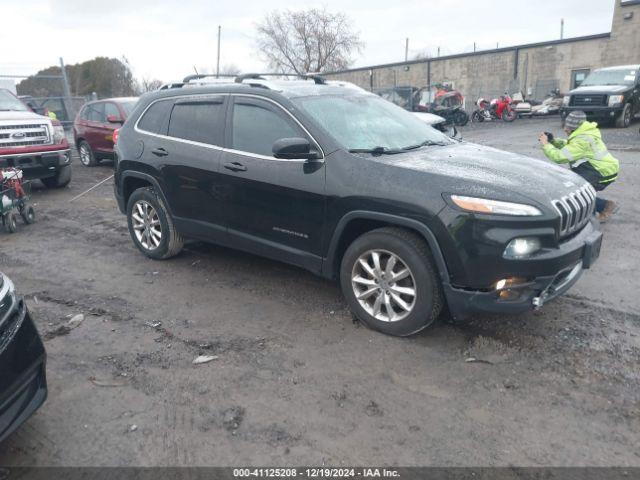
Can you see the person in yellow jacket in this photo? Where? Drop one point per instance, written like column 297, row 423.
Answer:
column 587, row 155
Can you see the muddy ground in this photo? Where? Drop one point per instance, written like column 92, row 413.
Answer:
column 295, row 381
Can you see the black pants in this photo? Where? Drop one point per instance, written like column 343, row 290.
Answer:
column 591, row 175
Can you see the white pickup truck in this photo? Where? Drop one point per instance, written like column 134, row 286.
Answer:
column 34, row 143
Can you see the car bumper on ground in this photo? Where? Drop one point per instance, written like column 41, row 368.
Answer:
column 530, row 293
column 38, row 164
column 23, row 385
column 594, row 113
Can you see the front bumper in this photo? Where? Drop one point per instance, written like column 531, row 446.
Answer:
column 594, row 113
column 23, row 385
column 533, row 292
column 37, row 164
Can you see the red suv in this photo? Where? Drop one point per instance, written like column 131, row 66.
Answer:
column 93, row 127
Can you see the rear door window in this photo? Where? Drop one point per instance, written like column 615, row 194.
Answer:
column 198, row 120
column 257, row 125
column 155, row 118
column 95, row 113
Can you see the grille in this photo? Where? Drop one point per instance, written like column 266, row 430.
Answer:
column 589, row 100
column 12, row 135
column 575, row 209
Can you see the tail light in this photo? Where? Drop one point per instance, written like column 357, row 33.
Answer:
column 58, row 132
column 116, row 134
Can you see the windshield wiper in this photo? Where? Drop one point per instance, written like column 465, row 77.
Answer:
column 426, row 143
column 376, row 151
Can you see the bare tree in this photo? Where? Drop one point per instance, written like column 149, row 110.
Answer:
column 313, row 40
column 148, row 85
column 229, row 69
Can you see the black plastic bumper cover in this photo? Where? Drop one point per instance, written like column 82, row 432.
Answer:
column 23, row 385
column 535, row 292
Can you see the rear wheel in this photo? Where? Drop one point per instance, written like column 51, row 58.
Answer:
column 151, row 226
column 390, row 282
column 461, row 118
column 60, row 179
column 87, row 158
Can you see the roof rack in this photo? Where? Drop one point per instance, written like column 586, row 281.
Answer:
column 319, row 80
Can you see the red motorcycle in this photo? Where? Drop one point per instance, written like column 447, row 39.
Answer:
column 498, row 109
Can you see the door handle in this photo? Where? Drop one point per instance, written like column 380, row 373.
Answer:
column 235, row 167
column 160, row 152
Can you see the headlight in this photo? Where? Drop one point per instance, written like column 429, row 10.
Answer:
column 7, row 297
column 58, row 132
column 521, row 247
column 615, row 100
column 565, row 100
column 483, row 205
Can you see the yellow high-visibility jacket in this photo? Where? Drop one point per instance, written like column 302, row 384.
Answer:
column 585, row 145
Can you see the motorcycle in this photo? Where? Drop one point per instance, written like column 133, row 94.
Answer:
column 498, row 109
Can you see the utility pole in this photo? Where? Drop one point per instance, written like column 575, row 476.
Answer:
column 406, row 50
column 218, row 61
column 474, row 46
column 68, row 104
column 561, row 28
column 438, row 51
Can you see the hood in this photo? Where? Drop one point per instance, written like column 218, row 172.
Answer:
column 19, row 116
column 476, row 170
column 429, row 118
column 587, row 128
column 601, row 89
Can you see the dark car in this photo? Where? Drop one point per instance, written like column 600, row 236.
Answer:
column 609, row 95
column 23, row 384
column 94, row 125
column 351, row 187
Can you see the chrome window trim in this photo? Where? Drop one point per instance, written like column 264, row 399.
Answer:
column 222, row 149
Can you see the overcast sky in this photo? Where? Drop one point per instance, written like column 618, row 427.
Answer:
column 164, row 39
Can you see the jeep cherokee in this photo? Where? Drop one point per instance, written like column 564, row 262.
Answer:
column 350, row 186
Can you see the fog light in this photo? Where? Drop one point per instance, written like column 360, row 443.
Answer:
column 521, row 247
column 510, row 282
column 501, row 284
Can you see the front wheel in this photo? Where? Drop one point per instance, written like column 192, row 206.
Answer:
column 87, row 157
column 389, row 280
column 10, row 222
column 624, row 119
column 477, row 117
column 151, row 226
column 509, row 115
column 28, row 214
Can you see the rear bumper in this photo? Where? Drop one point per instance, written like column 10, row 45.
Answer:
column 594, row 113
column 38, row 164
column 578, row 254
column 23, row 385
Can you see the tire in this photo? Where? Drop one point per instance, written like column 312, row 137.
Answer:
column 144, row 209
column 11, row 222
column 411, row 252
column 461, row 118
column 28, row 214
column 60, row 179
column 477, row 117
column 87, row 157
column 624, row 119
column 509, row 115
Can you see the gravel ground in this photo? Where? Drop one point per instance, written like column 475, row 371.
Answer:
column 294, row 380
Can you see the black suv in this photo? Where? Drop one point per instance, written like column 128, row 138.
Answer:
column 609, row 95
column 328, row 177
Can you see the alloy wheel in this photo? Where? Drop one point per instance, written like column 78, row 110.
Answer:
column 146, row 225
column 85, row 155
column 384, row 285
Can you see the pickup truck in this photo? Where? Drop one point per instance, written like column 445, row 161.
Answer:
column 609, row 95
column 34, row 143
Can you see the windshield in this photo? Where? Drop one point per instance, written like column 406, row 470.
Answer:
column 610, row 77
column 8, row 102
column 128, row 107
column 367, row 122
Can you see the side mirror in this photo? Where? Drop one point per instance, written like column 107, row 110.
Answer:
column 114, row 119
column 294, row 148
